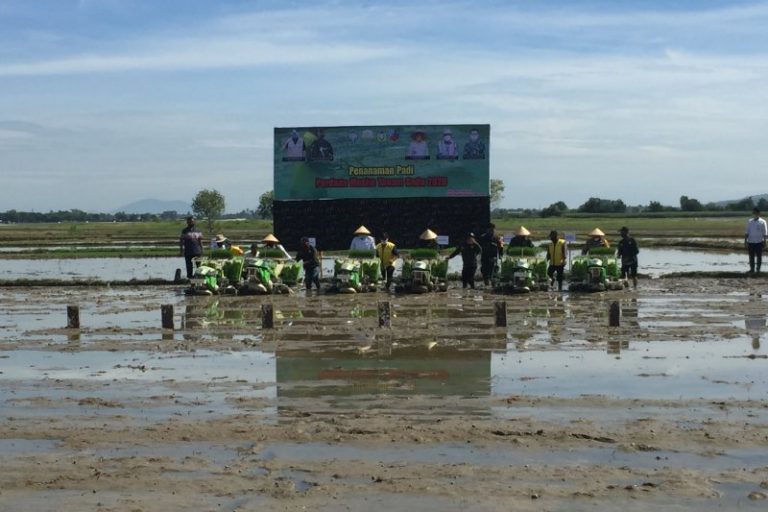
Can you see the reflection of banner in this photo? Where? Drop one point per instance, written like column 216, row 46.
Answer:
column 381, row 161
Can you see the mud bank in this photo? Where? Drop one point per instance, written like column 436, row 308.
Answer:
column 443, row 411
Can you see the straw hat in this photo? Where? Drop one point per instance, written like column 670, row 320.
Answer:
column 220, row 238
column 362, row 230
column 522, row 232
column 270, row 238
column 428, row 235
column 596, row 232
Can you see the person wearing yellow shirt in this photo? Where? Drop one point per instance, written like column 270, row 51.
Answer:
column 387, row 253
column 557, row 258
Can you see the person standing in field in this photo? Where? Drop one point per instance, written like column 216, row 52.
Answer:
column 493, row 249
column 310, row 257
column 387, row 253
column 190, row 244
column 754, row 238
column 627, row 250
column 469, row 251
column 557, row 258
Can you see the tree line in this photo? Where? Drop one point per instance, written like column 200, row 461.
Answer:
column 597, row 205
column 210, row 204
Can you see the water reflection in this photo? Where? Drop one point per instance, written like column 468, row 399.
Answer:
column 755, row 321
column 420, row 368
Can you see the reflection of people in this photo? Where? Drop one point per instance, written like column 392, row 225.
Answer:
column 755, row 325
column 387, row 254
column 556, row 257
column 446, row 148
column 754, row 238
column 293, row 148
column 474, row 149
column 363, row 241
column 627, row 250
column 493, row 248
column 311, row 259
column 190, row 244
column 596, row 239
column 469, row 251
column 521, row 238
column 271, row 242
column 418, row 149
column 428, row 240
column 320, row 149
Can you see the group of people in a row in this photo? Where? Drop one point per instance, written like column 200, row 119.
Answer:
column 488, row 248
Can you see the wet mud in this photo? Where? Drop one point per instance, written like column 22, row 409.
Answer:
column 441, row 411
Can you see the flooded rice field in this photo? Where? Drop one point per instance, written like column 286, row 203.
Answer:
column 653, row 263
column 441, row 411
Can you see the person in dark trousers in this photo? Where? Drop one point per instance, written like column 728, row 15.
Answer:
column 627, row 250
column 311, row 259
column 387, row 253
column 469, row 251
column 190, row 245
column 557, row 258
column 493, row 248
column 754, row 238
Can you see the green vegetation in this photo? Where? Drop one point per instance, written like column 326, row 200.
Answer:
column 208, row 205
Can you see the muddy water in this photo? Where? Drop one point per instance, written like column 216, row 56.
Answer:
column 653, row 262
column 330, row 410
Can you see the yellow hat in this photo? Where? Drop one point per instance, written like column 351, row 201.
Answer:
column 522, row 232
column 596, row 232
column 428, row 235
column 270, row 238
column 220, row 238
column 362, row 230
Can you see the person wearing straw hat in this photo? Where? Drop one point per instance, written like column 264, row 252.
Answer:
column 596, row 239
column 363, row 241
column 271, row 242
column 220, row 242
column 521, row 238
column 428, row 240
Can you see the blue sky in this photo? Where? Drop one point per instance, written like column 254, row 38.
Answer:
column 103, row 102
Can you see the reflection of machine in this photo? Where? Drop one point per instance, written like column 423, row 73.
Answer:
column 357, row 273
column 596, row 272
column 424, row 272
column 522, row 271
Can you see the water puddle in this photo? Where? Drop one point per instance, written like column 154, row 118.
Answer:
column 654, row 262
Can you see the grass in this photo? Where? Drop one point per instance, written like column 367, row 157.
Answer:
column 97, row 239
column 662, row 227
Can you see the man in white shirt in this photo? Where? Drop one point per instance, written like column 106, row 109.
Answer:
column 754, row 238
column 363, row 240
column 293, row 148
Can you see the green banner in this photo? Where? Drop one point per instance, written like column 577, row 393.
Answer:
column 344, row 162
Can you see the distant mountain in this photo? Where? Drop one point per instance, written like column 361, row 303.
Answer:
column 155, row 206
column 755, row 199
